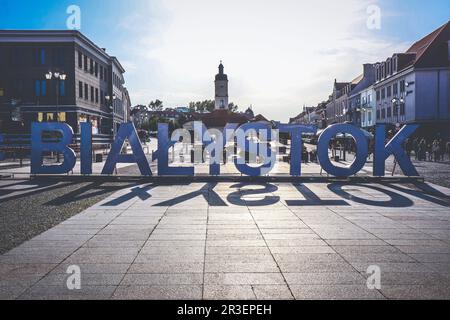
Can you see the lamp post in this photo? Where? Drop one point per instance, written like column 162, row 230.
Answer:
column 58, row 76
column 397, row 103
column 111, row 99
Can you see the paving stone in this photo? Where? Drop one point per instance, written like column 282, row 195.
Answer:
column 244, row 279
column 334, row 292
column 250, row 249
column 161, row 292
column 233, row 292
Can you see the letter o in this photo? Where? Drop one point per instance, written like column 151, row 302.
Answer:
column 362, row 150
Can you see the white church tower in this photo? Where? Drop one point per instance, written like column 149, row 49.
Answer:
column 221, row 89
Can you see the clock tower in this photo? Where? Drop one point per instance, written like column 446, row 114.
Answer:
column 221, row 84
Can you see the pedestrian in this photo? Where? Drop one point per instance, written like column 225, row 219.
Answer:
column 442, row 149
column 422, row 151
column 415, row 147
column 435, row 149
column 430, row 151
column 448, row 150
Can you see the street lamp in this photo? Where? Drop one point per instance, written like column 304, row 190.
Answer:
column 58, row 76
column 397, row 103
column 111, row 99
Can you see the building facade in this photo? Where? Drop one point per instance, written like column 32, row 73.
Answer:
column 361, row 105
column 414, row 86
column 92, row 89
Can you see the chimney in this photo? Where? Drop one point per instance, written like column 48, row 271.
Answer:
column 369, row 71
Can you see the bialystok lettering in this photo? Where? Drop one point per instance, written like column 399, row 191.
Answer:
column 250, row 138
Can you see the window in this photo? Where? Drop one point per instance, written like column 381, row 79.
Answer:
column 96, row 95
column 40, row 88
column 91, row 66
column 402, row 86
column 378, row 95
column 402, row 109
column 80, row 89
column 389, row 91
column 105, row 76
column 40, row 117
column 383, row 113
column 369, row 116
column 383, row 93
column 62, row 88
column 96, row 69
column 378, row 114
column 39, row 58
column 102, row 97
column 80, row 60
column 37, row 87
column 42, row 56
column 50, row 116
column 85, row 63
column 86, row 91
column 389, row 112
column 92, row 93
column 395, row 89
column 101, row 72
column 58, row 57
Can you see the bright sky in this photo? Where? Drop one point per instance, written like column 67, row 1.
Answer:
column 278, row 54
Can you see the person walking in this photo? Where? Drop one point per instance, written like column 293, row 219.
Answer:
column 435, row 149
column 430, row 151
column 442, row 149
column 448, row 150
column 415, row 147
column 422, row 150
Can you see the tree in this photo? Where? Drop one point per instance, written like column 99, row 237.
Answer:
column 156, row 105
column 232, row 107
column 208, row 106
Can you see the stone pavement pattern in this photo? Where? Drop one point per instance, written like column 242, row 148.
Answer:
column 238, row 241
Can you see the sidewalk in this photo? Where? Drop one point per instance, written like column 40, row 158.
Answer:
column 280, row 241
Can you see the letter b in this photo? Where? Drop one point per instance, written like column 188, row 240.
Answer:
column 38, row 147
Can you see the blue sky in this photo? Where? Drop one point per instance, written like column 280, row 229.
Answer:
column 279, row 55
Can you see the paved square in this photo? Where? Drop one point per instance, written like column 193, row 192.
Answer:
column 243, row 241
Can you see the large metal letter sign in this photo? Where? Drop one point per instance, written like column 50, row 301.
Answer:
column 164, row 144
column 38, row 147
column 361, row 150
column 394, row 147
column 86, row 148
column 296, row 132
column 261, row 149
column 127, row 131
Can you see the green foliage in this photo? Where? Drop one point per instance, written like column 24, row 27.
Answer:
column 209, row 106
column 156, row 105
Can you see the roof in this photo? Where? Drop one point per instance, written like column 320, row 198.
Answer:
column 259, row 117
column 340, row 85
column 55, row 36
column 220, row 118
column 357, row 79
column 420, row 47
